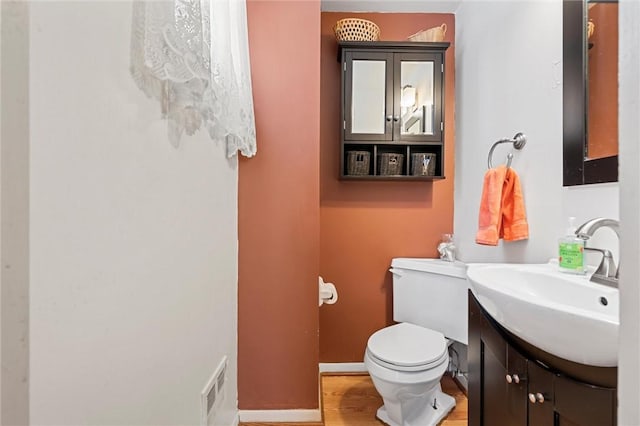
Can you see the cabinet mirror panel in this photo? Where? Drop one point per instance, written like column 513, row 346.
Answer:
column 416, row 98
column 368, row 93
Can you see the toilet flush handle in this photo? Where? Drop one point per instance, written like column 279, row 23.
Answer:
column 395, row 271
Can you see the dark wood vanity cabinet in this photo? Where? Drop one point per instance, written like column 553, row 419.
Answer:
column 510, row 387
column 392, row 120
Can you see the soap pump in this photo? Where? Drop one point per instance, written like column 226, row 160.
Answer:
column 571, row 251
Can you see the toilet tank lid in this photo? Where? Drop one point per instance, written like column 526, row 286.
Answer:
column 436, row 266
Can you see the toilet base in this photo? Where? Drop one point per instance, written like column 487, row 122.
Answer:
column 430, row 417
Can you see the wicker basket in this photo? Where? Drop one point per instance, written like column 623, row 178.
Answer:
column 432, row 34
column 390, row 164
column 358, row 162
column 423, row 164
column 356, row 29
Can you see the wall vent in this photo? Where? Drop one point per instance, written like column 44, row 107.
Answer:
column 213, row 394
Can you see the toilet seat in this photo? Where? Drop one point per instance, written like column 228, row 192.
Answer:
column 407, row 347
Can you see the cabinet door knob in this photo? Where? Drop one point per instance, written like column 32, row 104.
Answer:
column 389, row 117
column 538, row 397
column 514, row 378
column 396, row 118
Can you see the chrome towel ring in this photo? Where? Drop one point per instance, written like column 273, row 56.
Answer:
column 518, row 141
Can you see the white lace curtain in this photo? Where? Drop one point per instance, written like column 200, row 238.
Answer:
column 193, row 57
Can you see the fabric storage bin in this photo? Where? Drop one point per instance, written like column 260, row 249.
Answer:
column 358, row 162
column 423, row 164
column 390, row 163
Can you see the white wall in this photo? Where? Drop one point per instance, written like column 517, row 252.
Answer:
column 133, row 243
column 629, row 107
column 509, row 79
column 14, row 227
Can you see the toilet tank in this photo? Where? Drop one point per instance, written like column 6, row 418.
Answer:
column 431, row 293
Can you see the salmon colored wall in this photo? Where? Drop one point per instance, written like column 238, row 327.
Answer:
column 365, row 224
column 603, row 81
column 278, row 212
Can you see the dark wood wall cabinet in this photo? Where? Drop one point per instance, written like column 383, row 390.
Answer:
column 510, row 385
column 392, row 110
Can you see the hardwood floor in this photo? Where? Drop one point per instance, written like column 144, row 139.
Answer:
column 352, row 400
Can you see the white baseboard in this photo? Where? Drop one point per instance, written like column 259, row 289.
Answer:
column 290, row 416
column 342, row 367
column 284, row 416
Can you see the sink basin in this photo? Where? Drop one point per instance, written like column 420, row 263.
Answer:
column 565, row 315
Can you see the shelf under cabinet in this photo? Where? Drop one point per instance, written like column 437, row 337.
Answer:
column 416, row 161
column 402, row 178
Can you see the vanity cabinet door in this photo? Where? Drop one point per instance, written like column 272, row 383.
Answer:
column 474, row 359
column 581, row 404
column 540, row 395
column 517, row 379
column 494, row 386
column 495, row 398
column 504, row 387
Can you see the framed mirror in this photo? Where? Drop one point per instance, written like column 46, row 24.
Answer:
column 590, row 91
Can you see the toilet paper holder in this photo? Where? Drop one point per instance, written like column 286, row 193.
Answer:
column 327, row 293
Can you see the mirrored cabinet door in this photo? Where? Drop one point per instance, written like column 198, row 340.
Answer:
column 416, row 98
column 417, row 93
column 368, row 96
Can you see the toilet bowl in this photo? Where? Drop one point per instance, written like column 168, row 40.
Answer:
column 406, row 361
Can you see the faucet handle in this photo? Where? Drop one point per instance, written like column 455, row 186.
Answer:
column 604, row 252
column 607, row 267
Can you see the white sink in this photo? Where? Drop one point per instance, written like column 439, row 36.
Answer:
column 565, row 315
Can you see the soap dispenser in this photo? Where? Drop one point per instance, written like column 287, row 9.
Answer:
column 571, row 251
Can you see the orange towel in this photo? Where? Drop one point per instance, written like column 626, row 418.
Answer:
column 502, row 212
column 514, row 215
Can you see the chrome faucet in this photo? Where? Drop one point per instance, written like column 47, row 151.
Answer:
column 607, row 272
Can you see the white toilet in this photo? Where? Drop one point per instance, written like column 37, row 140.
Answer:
column 407, row 360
